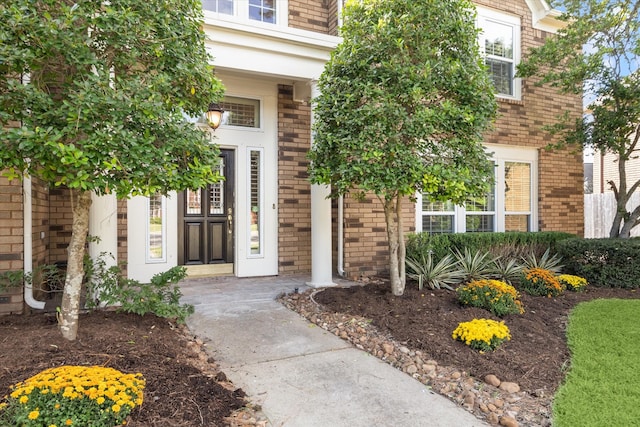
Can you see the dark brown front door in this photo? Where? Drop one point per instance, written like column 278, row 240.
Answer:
column 205, row 232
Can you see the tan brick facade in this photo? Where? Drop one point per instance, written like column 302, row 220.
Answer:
column 366, row 248
column 319, row 16
column 11, row 240
column 294, row 191
column 560, row 203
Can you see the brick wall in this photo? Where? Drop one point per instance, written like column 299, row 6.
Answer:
column 11, row 240
column 11, row 234
column 560, row 200
column 61, row 221
column 560, row 173
column 366, row 247
column 312, row 15
column 294, row 190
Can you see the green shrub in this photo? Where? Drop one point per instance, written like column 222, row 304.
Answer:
column 161, row 296
column 603, row 262
column 482, row 334
column 11, row 279
column 540, row 282
column 509, row 245
column 493, row 295
column 435, row 275
column 94, row 396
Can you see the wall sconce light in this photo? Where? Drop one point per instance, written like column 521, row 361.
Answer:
column 214, row 115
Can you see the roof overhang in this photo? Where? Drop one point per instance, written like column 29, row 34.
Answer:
column 544, row 17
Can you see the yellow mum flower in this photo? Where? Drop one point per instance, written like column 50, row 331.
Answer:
column 34, row 415
column 23, row 399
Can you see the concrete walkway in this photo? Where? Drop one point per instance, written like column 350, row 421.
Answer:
column 300, row 374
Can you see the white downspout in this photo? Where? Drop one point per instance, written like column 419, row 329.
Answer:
column 27, row 228
column 341, row 271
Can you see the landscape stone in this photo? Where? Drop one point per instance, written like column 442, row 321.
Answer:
column 492, row 380
column 508, row 422
column 509, row 387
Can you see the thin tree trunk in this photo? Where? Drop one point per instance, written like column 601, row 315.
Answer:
column 68, row 318
column 402, row 250
column 390, row 212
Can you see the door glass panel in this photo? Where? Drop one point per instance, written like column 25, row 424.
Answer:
column 216, row 194
column 255, row 202
column 194, row 202
column 155, row 227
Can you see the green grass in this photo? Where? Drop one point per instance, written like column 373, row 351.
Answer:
column 602, row 387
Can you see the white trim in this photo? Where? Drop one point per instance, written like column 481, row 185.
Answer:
column 261, row 208
column 543, row 17
column 163, row 232
column 241, row 15
column 260, row 100
column 283, row 53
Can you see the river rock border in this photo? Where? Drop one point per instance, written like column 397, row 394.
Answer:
column 497, row 402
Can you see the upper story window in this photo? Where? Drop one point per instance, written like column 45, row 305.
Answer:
column 248, row 10
column 500, row 44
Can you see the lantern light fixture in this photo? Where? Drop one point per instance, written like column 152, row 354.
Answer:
column 214, row 115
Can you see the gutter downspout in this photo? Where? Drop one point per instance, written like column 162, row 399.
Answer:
column 27, row 229
column 341, row 271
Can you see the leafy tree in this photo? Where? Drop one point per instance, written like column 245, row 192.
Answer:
column 598, row 52
column 404, row 101
column 98, row 90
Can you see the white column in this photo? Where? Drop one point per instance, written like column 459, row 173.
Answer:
column 103, row 223
column 321, row 253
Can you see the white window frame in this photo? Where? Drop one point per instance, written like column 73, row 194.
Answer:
column 241, row 14
column 261, row 206
column 245, row 128
column 163, row 231
column 487, row 16
column 501, row 155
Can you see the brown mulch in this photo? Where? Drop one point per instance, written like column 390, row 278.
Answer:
column 184, row 386
column 413, row 333
column 536, row 357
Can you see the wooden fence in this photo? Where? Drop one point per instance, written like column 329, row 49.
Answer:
column 599, row 211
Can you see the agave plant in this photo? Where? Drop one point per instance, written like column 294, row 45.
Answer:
column 506, row 269
column 438, row 275
column 545, row 262
column 474, row 266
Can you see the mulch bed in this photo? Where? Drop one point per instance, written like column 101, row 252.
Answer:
column 184, row 387
column 413, row 333
column 536, row 357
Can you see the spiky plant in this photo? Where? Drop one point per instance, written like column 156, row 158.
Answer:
column 475, row 266
column 438, row 275
column 545, row 262
column 506, row 269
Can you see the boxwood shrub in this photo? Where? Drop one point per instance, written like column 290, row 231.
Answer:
column 509, row 244
column 603, row 262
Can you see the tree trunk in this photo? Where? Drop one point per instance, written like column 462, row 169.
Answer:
column 68, row 317
column 392, row 215
column 629, row 222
